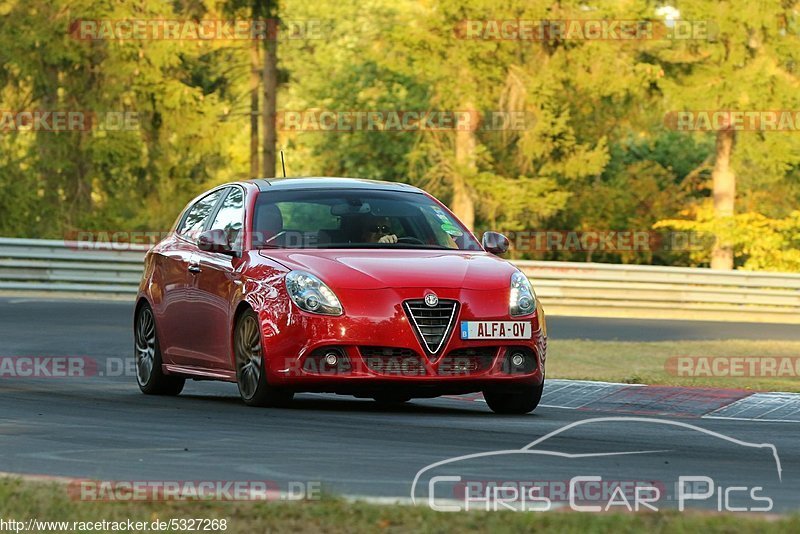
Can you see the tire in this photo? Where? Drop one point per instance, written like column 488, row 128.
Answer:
column 249, row 356
column 147, row 357
column 520, row 400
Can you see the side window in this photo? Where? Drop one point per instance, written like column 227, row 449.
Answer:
column 198, row 214
column 230, row 217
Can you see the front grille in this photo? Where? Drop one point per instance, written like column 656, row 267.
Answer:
column 432, row 324
column 393, row 361
column 467, row 361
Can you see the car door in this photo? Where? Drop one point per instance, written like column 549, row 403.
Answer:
column 171, row 259
column 217, row 282
column 177, row 327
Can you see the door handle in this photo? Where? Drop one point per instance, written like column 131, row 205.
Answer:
column 194, row 268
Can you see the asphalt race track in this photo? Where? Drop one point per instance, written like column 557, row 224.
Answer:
column 101, row 427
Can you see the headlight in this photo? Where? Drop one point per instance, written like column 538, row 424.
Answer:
column 523, row 299
column 311, row 294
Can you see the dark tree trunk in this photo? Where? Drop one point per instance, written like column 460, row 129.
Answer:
column 270, row 94
column 255, row 78
column 463, row 204
column 724, row 195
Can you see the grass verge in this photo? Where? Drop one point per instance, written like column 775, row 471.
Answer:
column 22, row 500
column 648, row 362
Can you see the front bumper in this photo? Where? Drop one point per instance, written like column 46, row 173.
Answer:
column 378, row 348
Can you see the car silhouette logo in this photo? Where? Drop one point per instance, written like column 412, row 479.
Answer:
column 431, row 300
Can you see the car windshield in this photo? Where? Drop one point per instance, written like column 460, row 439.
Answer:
column 356, row 218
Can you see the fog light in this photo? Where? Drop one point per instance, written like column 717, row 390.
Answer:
column 331, row 358
column 517, row 359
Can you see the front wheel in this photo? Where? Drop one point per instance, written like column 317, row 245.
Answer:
column 250, row 375
column 520, row 400
column 147, row 354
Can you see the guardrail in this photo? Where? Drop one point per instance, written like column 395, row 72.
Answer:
column 38, row 265
column 644, row 291
column 565, row 288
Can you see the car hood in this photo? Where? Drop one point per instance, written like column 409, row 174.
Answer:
column 378, row 269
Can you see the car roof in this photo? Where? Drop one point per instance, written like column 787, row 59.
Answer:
column 328, row 182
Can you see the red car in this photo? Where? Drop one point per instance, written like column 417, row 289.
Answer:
column 338, row 285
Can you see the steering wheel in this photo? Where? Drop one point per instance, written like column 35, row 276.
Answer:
column 410, row 240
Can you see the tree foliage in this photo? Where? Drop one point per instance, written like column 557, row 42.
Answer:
column 595, row 152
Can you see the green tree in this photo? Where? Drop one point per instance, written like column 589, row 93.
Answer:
column 101, row 178
column 744, row 63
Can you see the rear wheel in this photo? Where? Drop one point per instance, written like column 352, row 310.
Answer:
column 520, row 400
column 250, row 375
column 147, row 353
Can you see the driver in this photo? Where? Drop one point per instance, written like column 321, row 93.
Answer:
column 377, row 230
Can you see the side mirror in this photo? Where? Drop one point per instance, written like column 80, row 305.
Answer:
column 215, row 241
column 495, row 243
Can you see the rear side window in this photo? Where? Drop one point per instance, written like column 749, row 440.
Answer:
column 197, row 216
column 230, row 216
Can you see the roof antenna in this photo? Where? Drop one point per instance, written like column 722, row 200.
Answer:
column 283, row 164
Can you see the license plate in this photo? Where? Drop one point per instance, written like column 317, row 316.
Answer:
column 496, row 330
